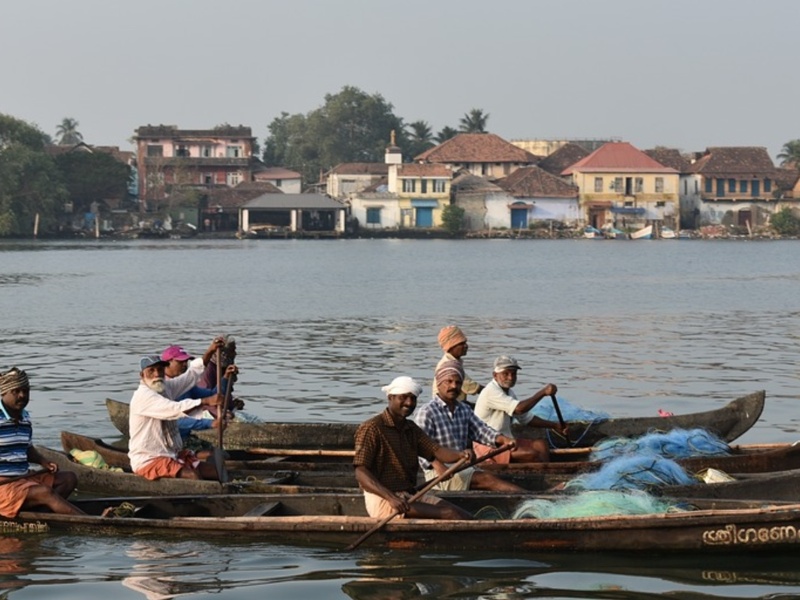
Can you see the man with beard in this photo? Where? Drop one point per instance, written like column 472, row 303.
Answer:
column 451, row 423
column 498, row 406
column 388, row 447
column 18, row 489
column 155, row 447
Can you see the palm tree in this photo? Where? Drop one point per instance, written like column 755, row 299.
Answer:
column 420, row 137
column 790, row 155
column 445, row 134
column 67, row 132
column 474, row 121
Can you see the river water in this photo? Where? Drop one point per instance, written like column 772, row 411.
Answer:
column 621, row 326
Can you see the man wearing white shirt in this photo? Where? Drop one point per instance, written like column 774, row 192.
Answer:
column 155, row 448
column 497, row 405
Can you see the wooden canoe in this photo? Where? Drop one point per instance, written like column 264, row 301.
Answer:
column 728, row 422
column 108, row 482
column 338, row 471
column 336, row 520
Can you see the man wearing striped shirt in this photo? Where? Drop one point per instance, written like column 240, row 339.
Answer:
column 19, row 487
column 452, row 424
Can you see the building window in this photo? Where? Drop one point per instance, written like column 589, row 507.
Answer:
column 638, row 185
column 661, row 204
column 423, row 186
column 618, row 185
column 731, row 186
column 154, row 150
column 598, row 184
column 628, row 204
column 659, row 185
column 743, row 186
column 278, row 183
column 234, row 178
column 709, row 185
column 696, row 186
column 767, row 185
column 233, row 151
column 208, row 179
column 373, row 216
column 182, row 151
column 439, row 186
column 409, row 185
column 207, row 151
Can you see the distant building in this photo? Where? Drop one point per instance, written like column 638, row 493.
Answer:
column 286, row 180
column 620, row 185
column 484, row 154
column 170, row 158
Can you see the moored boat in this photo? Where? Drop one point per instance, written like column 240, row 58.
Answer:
column 111, row 482
column 338, row 520
column 645, row 233
column 756, row 458
column 727, row 422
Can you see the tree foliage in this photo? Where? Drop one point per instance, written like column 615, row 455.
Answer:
column 29, row 180
column 351, row 126
column 445, row 133
column 67, row 132
column 785, row 222
column 453, row 219
column 790, row 154
column 420, row 138
column 93, row 177
column 474, row 121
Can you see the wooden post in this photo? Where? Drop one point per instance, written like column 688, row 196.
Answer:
column 36, row 225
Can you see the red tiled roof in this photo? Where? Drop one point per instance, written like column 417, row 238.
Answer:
column 566, row 155
column 423, row 170
column 360, row 169
column 477, row 147
column 731, row 160
column 266, row 173
column 533, row 182
column 670, row 157
column 172, row 131
column 618, row 157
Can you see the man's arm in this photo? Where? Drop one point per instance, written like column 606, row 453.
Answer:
column 527, row 404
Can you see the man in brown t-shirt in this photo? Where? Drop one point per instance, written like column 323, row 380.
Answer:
column 388, row 447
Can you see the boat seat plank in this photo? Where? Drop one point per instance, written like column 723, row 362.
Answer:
column 263, row 510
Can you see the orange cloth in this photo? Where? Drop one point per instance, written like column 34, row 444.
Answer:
column 451, row 336
column 14, row 493
column 164, row 466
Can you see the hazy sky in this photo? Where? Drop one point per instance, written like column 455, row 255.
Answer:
column 680, row 73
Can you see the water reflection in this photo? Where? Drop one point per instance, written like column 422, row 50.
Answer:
column 12, row 564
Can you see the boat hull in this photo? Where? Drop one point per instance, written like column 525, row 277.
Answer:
column 339, row 519
column 728, row 422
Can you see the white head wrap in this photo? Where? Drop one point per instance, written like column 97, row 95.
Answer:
column 402, row 385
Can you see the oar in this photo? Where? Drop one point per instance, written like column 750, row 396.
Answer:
column 302, row 452
column 456, row 467
column 459, row 466
column 560, row 416
column 219, row 453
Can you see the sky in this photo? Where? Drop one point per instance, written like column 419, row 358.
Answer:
column 686, row 74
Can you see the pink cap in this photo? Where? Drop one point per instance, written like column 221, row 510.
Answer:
column 175, row 353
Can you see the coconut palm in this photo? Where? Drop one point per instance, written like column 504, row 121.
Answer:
column 790, row 155
column 474, row 121
column 445, row 134
column 420, row 137
column 67, row 132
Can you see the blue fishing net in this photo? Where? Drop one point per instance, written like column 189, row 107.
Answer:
column 630, row 472
column 544, row 409
column 675, row 444
column 595, row 504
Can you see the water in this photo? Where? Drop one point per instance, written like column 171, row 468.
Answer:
column 625, row 327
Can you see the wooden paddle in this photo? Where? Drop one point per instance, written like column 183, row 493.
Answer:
column 219, row 453
column 459, row 466
column 302, row 452
column 560, row 416
column 453, row 469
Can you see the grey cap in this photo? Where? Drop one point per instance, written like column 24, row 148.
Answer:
column 501, row 363
column 151, row 360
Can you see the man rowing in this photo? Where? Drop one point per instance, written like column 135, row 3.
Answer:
column 497, row 405
column 388, row 447
column 451, row 423
column 19, row 487
column 155, row 448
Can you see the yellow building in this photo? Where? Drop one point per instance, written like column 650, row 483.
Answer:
column 621, row 186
